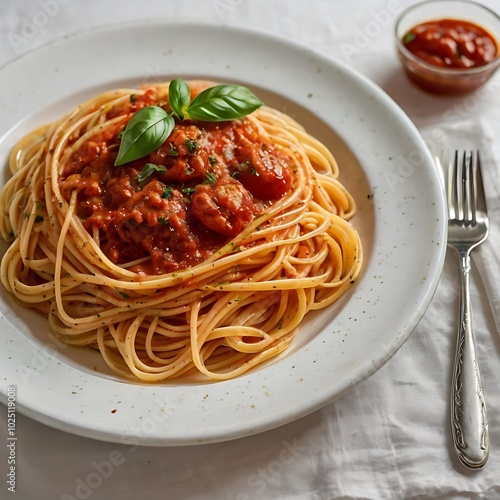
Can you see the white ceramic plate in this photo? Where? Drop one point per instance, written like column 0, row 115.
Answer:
column 384, row 163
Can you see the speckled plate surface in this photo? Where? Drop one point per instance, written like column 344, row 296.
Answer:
column 384, row 163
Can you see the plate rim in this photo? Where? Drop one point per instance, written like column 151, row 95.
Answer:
column 231, row 433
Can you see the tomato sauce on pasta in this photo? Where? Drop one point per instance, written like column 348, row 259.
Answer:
column 199, row 259
column 217, row 178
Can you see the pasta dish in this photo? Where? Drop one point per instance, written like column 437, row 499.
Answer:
column 182, row 229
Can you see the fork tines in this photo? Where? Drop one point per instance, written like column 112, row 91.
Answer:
column 463, row 195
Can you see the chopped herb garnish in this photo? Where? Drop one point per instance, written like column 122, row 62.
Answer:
column 254, row 172
column 38, row 218
column 188, row 190
column 409, row 37
column 173, row 151
column 191, row 144
column 167, row 193
column 189, row 170
column 210, row 178
column 212, row 160
column 133, row 97
column 148, row 169
column 235, row 174
column 163, row 220
column 123, row 294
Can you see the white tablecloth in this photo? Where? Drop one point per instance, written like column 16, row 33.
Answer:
column 387, row 438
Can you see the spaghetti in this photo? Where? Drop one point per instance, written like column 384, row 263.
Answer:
column 200, row 259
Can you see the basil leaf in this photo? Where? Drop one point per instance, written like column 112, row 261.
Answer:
column 148, row 169
column 222, row 103
column 179, row 96
column 146, row 130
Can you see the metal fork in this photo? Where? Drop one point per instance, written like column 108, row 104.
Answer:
column 468, row 226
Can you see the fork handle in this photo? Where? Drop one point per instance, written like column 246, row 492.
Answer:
column 469, row 422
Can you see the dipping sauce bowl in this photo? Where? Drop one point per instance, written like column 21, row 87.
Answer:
column 448, row 47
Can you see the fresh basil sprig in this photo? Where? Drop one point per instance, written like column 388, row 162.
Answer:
column 222, row 103
column 146, row 130
column 179, row 96
column 149, row 127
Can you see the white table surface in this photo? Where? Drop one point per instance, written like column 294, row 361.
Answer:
column 389, row 437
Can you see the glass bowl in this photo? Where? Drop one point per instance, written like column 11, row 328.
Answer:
column 438, row 79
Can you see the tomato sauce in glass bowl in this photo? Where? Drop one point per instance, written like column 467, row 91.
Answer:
column 447, row 55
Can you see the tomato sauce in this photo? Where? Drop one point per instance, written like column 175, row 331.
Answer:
column 451, row 43
column 210, row 181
